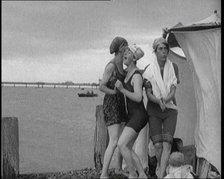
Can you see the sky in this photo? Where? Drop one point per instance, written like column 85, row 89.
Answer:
column 58, row 41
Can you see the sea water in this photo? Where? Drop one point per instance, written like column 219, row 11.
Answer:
column 56, row 127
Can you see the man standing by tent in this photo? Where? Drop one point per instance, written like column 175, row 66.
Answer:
column 162, row 78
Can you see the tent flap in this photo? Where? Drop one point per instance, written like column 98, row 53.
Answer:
column 211, row 22
column 201, row 44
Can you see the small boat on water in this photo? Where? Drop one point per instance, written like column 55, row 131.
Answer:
column 88, row 94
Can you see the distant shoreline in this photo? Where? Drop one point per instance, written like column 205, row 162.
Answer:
column 54, row 85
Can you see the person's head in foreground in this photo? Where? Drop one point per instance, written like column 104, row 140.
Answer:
column 177, row 168
column 176, row 159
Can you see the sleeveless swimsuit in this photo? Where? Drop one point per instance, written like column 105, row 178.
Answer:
column 137, row 114
column 114, row 105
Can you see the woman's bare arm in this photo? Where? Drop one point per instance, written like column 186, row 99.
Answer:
column 171, row 94
column 106, row 76
column 137, row 85
column 154, row 99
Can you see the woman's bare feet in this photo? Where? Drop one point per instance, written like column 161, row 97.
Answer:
column 158, row 171
column 120, row 171
column 142, row 175
column 104, row 176
column 133, row 175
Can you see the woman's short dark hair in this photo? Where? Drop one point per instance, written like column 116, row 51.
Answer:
column 117, row 43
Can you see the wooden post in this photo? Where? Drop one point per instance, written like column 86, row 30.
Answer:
column 101, row 138
column 9, row 148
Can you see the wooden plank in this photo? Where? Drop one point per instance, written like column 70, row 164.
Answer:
column 9, row 148
column 101, row 138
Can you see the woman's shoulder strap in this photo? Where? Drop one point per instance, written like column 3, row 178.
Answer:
column 138, row 71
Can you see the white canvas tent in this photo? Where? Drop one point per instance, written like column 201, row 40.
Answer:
column 201, row 44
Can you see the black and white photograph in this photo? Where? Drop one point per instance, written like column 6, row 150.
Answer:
column 107, row 89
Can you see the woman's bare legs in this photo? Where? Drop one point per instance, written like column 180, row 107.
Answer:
column 139, row 166
column 119, row 157
column 137, row 161
column 118, row 161
column 125, row 145
column 158, row 151
column 114, row 131
column 164, row 158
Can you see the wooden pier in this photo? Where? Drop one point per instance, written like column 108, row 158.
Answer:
column 54, row 85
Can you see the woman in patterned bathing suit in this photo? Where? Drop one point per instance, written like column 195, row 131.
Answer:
column 113, row 104
column 137, row 114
